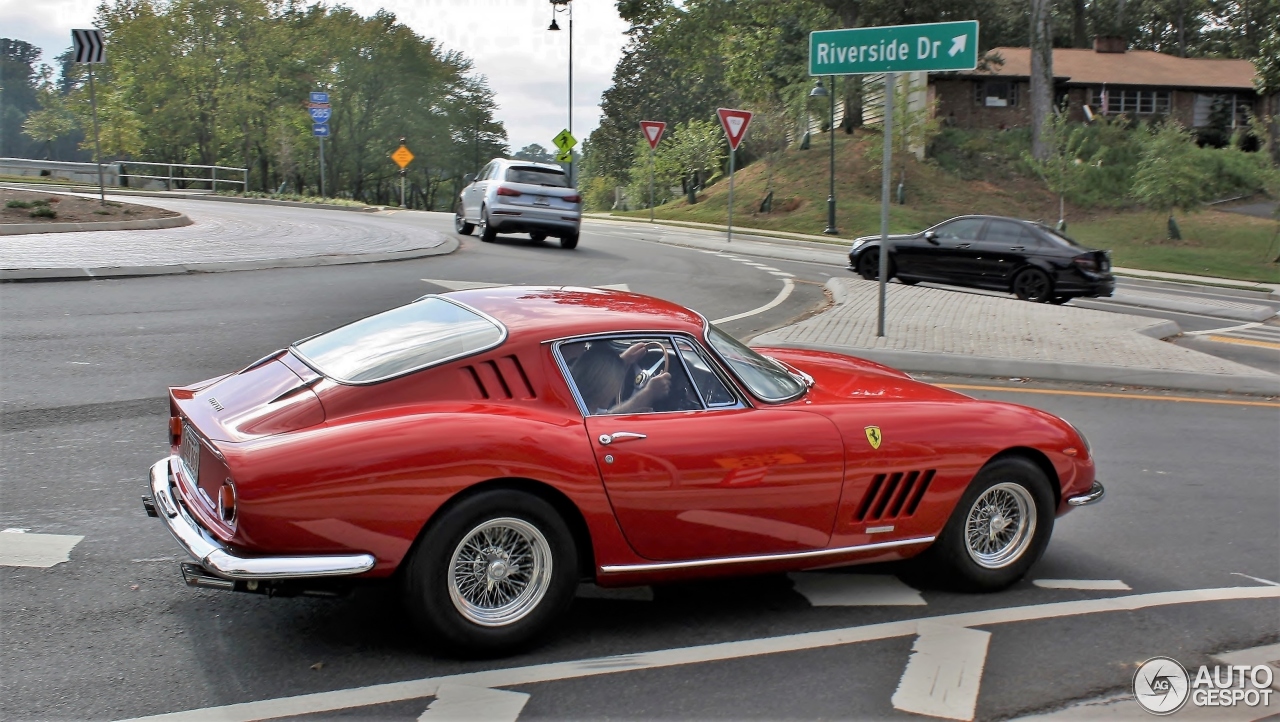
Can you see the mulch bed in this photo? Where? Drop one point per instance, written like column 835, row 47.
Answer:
column 58, row 208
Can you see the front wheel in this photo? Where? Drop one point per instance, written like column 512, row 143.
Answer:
column 998, row 530
column 493, row 575
column 869, row 264
column 460, row 223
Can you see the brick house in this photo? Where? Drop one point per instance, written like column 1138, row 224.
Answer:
column 1107, row 80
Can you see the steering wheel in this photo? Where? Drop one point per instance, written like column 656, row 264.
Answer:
column 642, row 377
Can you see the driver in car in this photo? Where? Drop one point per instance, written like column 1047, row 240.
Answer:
column 601, row 376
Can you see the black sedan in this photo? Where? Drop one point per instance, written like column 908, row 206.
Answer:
column 1028, row 259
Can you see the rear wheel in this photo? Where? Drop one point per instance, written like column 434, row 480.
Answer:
column 537, row 237
column 1033, row 285
column 998, row 530
column 1059, row 300
column 460, row 221
column 869, row 264
column 492, row 575
column 569, row 242
column 487, row 234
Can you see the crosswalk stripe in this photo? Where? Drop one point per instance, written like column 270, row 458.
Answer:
column 855, row 590
column 1102, row 585
column 944, row 672
column 456, row 703
column 18, row 549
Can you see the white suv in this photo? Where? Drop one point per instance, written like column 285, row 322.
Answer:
column 516, row 196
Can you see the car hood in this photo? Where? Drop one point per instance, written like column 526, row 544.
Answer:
column 839, row 378
column 892, row 237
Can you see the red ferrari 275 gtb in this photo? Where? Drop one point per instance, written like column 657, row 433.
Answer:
column 489, row 449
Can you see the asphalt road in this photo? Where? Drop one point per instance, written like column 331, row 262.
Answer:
column 113, row 633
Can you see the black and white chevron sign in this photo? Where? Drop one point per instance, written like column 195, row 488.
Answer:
column 89, row 46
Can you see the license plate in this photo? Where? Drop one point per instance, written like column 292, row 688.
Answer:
column 542, row 201
column 189, row 453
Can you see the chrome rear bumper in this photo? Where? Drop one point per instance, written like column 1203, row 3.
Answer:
column 1094, row 494
column 214, row 556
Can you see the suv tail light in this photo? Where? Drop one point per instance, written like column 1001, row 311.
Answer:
column 575, row 198
column 505, row 191
column 1087, row 262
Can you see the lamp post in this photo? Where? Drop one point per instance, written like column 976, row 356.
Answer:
column 555, row 8
column 818, row 92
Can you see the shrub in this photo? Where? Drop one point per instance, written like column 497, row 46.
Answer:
column 40, row 204
column 15, row 203
column 44, row 212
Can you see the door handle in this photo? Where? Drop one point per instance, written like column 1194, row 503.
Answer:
column 962, row 245
column 606, row 439
column 1017, row 248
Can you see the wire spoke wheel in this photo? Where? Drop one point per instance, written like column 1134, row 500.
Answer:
column 1000, row 525
column 499, row 572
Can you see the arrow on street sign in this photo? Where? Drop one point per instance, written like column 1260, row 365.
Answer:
column 402, row 156
column 652, row 130
column 735, row 124
column 320, row 129
column 894, row 49
column 89, row 47
column 564, row 156
column 320, row 115
column 564, row 140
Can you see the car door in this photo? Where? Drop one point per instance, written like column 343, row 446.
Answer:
column 711, row 476
column 1003, row 249
column 948, row 256
column 473, row 195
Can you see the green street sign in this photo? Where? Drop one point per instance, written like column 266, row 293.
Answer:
column 894, row 49
column 564, row 140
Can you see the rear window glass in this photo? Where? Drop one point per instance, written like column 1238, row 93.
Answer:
column 538, row 177
column 1060, row 236
column 392, row 343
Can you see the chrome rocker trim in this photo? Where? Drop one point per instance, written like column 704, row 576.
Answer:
column 214, row 556
column 1094, row 494
column 784, row 556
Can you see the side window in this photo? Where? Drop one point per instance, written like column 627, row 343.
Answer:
column 485, row 172
column 1012, row 233
column 709, row 386
column 628, row 376
column 964, row 229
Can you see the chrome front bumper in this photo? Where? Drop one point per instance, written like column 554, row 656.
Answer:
column 214, row 556
column 1094, row 494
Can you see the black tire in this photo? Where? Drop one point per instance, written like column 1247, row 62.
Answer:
column 538, row 237
column 1032, row 284
column 569, row 242
column 907, row 281
column 487, row 234
column 950, row 560
column 460, row 223
column 1059, row 300
column 869, row 264
column 447, row 624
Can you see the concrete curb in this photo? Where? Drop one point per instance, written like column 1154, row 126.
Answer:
column 18, row 229
column 198, row 196
column 81, row 274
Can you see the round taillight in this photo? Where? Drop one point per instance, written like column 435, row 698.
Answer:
column 227, row 502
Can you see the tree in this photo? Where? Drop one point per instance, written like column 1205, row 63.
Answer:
column 1268, row 85
column 915, row 125
column 53, row 120
column 1062, row 167
column 695, row 149
column 1170, row 175
column 1041, row 74
column 18, row 94
column 535, row 153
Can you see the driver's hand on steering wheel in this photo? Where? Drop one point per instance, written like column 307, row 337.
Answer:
column 634, row 353
column 657, row 388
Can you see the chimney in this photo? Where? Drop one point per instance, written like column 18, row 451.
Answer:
column 1109, row 44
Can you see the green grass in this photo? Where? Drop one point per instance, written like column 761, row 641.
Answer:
column 296, row 198
column 1226, row 245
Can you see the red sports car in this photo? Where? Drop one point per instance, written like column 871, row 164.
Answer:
column 490, row 449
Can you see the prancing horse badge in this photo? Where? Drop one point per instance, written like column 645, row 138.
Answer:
column 873, row 436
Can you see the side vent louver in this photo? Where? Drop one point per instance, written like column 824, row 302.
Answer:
column 894, row 496
column 501, row 379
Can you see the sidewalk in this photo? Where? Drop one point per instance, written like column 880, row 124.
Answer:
column 940, row 331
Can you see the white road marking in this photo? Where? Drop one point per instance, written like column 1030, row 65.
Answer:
column 1101, row 585
column 620, row 594
column 456, row 703
column 1268, row 655
column 658, row 659
column 18, row 549
column 855, row 590
column 944, row 672
column 783, row 274
column 787, row 287
column 614, row 287
column 469, row 285
column 1227, row 329
column 1256, row 579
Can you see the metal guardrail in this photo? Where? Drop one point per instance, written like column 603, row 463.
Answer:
column 120, row 169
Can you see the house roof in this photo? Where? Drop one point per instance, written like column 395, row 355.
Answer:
column 1136, row 67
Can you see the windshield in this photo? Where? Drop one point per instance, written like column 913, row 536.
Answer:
column 766, row 378
column 538, row 177
column 392, row 343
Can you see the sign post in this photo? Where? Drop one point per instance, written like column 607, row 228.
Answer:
column 91, row 51
column 652, row 130
column 890, row 50
column 735, row 124
column 320, row 112
column 402, row 156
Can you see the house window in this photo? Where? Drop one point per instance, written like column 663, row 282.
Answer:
column 1113, row 101
column 996, row 93
column 1226, row 105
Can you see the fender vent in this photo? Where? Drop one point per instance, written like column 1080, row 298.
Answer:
column 894, row 496
column 502, row 378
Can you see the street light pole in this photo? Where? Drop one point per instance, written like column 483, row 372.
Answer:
column 831, row 193
column 554, row 26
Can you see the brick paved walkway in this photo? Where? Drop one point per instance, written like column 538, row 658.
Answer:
column 222, row 232
column 935, row 321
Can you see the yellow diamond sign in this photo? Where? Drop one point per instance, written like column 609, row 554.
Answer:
column 564, row 156
column 565, row 141
column 402, row 156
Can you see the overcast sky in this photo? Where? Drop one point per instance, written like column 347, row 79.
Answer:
column 527, row 65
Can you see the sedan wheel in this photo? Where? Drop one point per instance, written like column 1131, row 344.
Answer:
column 1033, row 285
column 492, row 575
column 460, row 222
column 869, row 264
column 998, row 530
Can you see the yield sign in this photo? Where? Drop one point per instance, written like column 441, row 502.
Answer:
column 652, row 131
column 735, row 124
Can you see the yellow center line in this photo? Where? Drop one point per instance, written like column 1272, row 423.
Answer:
column 1244, row 341
column 1108, row 395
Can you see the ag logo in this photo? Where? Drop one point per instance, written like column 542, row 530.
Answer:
column 1161, row 685
column 873, row 436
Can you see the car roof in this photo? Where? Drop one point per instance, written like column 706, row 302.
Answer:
column 543, row 313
